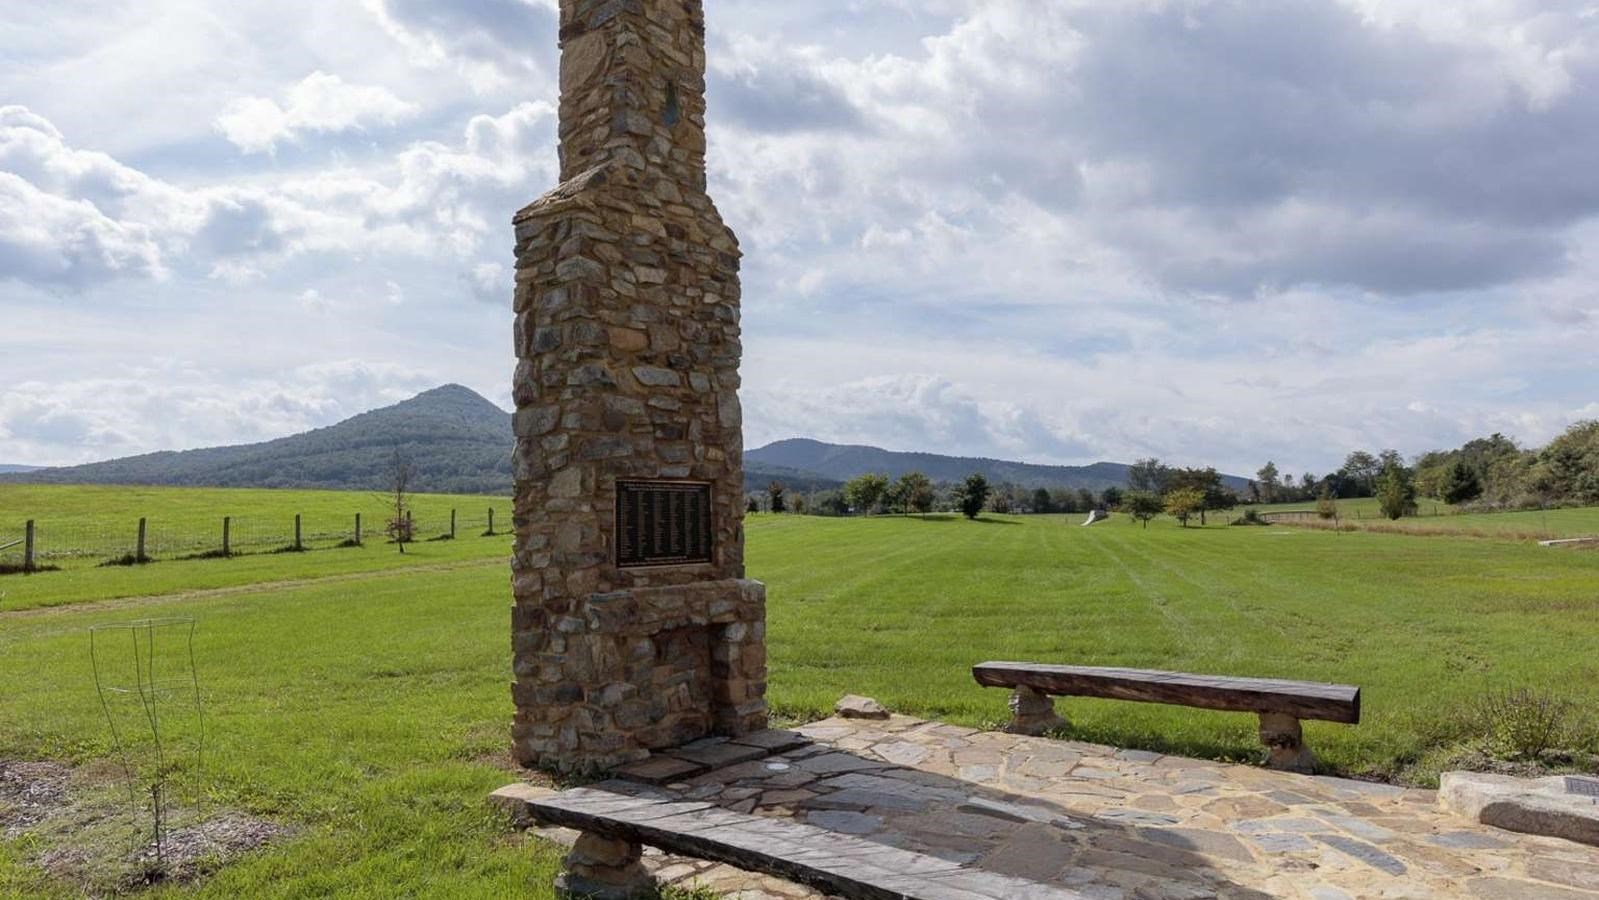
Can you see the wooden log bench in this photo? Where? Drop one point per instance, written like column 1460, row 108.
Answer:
column 617, row 818
column 1280, row 704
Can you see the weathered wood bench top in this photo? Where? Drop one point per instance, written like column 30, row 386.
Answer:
column 836, row 863
column 1300, row 699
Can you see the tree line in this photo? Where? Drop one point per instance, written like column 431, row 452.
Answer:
column 1486, row 474
column 914, row 493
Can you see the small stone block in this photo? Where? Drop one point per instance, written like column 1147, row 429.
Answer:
column 852, row 706
column 660, row 770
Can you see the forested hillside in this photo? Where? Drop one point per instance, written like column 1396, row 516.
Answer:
column 843, row 462
column 458, row 442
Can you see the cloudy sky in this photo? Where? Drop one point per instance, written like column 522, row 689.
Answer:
column 1064, row 231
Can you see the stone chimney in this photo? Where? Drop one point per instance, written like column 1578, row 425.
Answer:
column 633, row 626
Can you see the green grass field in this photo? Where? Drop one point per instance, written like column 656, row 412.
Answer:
column 84, row 525
column 368, row 707
column 102, row 520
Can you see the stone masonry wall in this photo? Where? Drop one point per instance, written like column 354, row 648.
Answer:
column 627, row 335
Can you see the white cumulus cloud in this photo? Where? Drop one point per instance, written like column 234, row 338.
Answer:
column 318, row 103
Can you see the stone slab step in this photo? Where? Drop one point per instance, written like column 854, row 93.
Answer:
column 840, row 864
column 1556, row 806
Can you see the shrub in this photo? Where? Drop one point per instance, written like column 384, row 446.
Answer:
column 1521, row 724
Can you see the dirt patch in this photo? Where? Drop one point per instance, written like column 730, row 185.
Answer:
column 84, row 830
column 29, row 793
column 191, row 853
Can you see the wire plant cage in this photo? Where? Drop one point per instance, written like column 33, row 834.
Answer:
column 149, row 690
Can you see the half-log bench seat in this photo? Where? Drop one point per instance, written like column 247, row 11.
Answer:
column 1280, row 704
column 616, row 818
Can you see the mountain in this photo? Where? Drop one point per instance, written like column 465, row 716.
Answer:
column 757, row 475
column 458, row 441
column 841, row 462
column 8, row 469
column 461, row 443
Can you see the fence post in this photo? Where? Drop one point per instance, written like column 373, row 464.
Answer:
column 138, row 555
column 227, row 537
column 358, row 529
column 27, row 547
column 297, row 544
column 491, row 521
column 452, row 523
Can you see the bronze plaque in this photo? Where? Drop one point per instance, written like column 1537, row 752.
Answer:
column 662, row 523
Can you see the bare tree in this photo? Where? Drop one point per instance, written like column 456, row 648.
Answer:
column 401, row 473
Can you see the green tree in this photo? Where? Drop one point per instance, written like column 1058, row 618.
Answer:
column 774, row 494
column 1208, row 482
column 1181, row 503
column 751, row 505
column 1396, row 490
column 1141, row 505
column 1111, row 497
column 913, row 493
column 1360, row 473
column 1042, row 502
column 1461, row 484
column 1268, row 480
column 1568, row 469
column 972, row 495
column 1086, row 501
column 833, row 503
column 1150, row 475
column 866, row 492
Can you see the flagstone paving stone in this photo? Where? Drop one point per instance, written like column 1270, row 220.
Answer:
column 1124, row 825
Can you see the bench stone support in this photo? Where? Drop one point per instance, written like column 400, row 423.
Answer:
column 1033, row 713
column 1285, row 744
column 604, row 868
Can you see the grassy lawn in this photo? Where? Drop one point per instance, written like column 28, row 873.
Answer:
column 80, row 583
column 369, row 710
column 1424, row 625
column 369, row 715
column 87, row 524
column 79, row 527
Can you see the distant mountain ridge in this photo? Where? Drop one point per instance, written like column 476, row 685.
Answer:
column 461, row 443
column 841, row 462
column 458, row 441
column 9, row 469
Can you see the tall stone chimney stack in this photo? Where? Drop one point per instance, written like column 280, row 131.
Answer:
column 633, row 86
column 633, row 626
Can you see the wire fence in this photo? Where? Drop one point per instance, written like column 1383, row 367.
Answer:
column 43, row 543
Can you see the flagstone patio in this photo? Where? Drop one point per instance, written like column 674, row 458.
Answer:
column 1108, row 823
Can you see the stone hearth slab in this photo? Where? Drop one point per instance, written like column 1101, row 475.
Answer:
column 660, row 770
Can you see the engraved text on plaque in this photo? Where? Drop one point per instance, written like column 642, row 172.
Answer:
column 662, row 523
